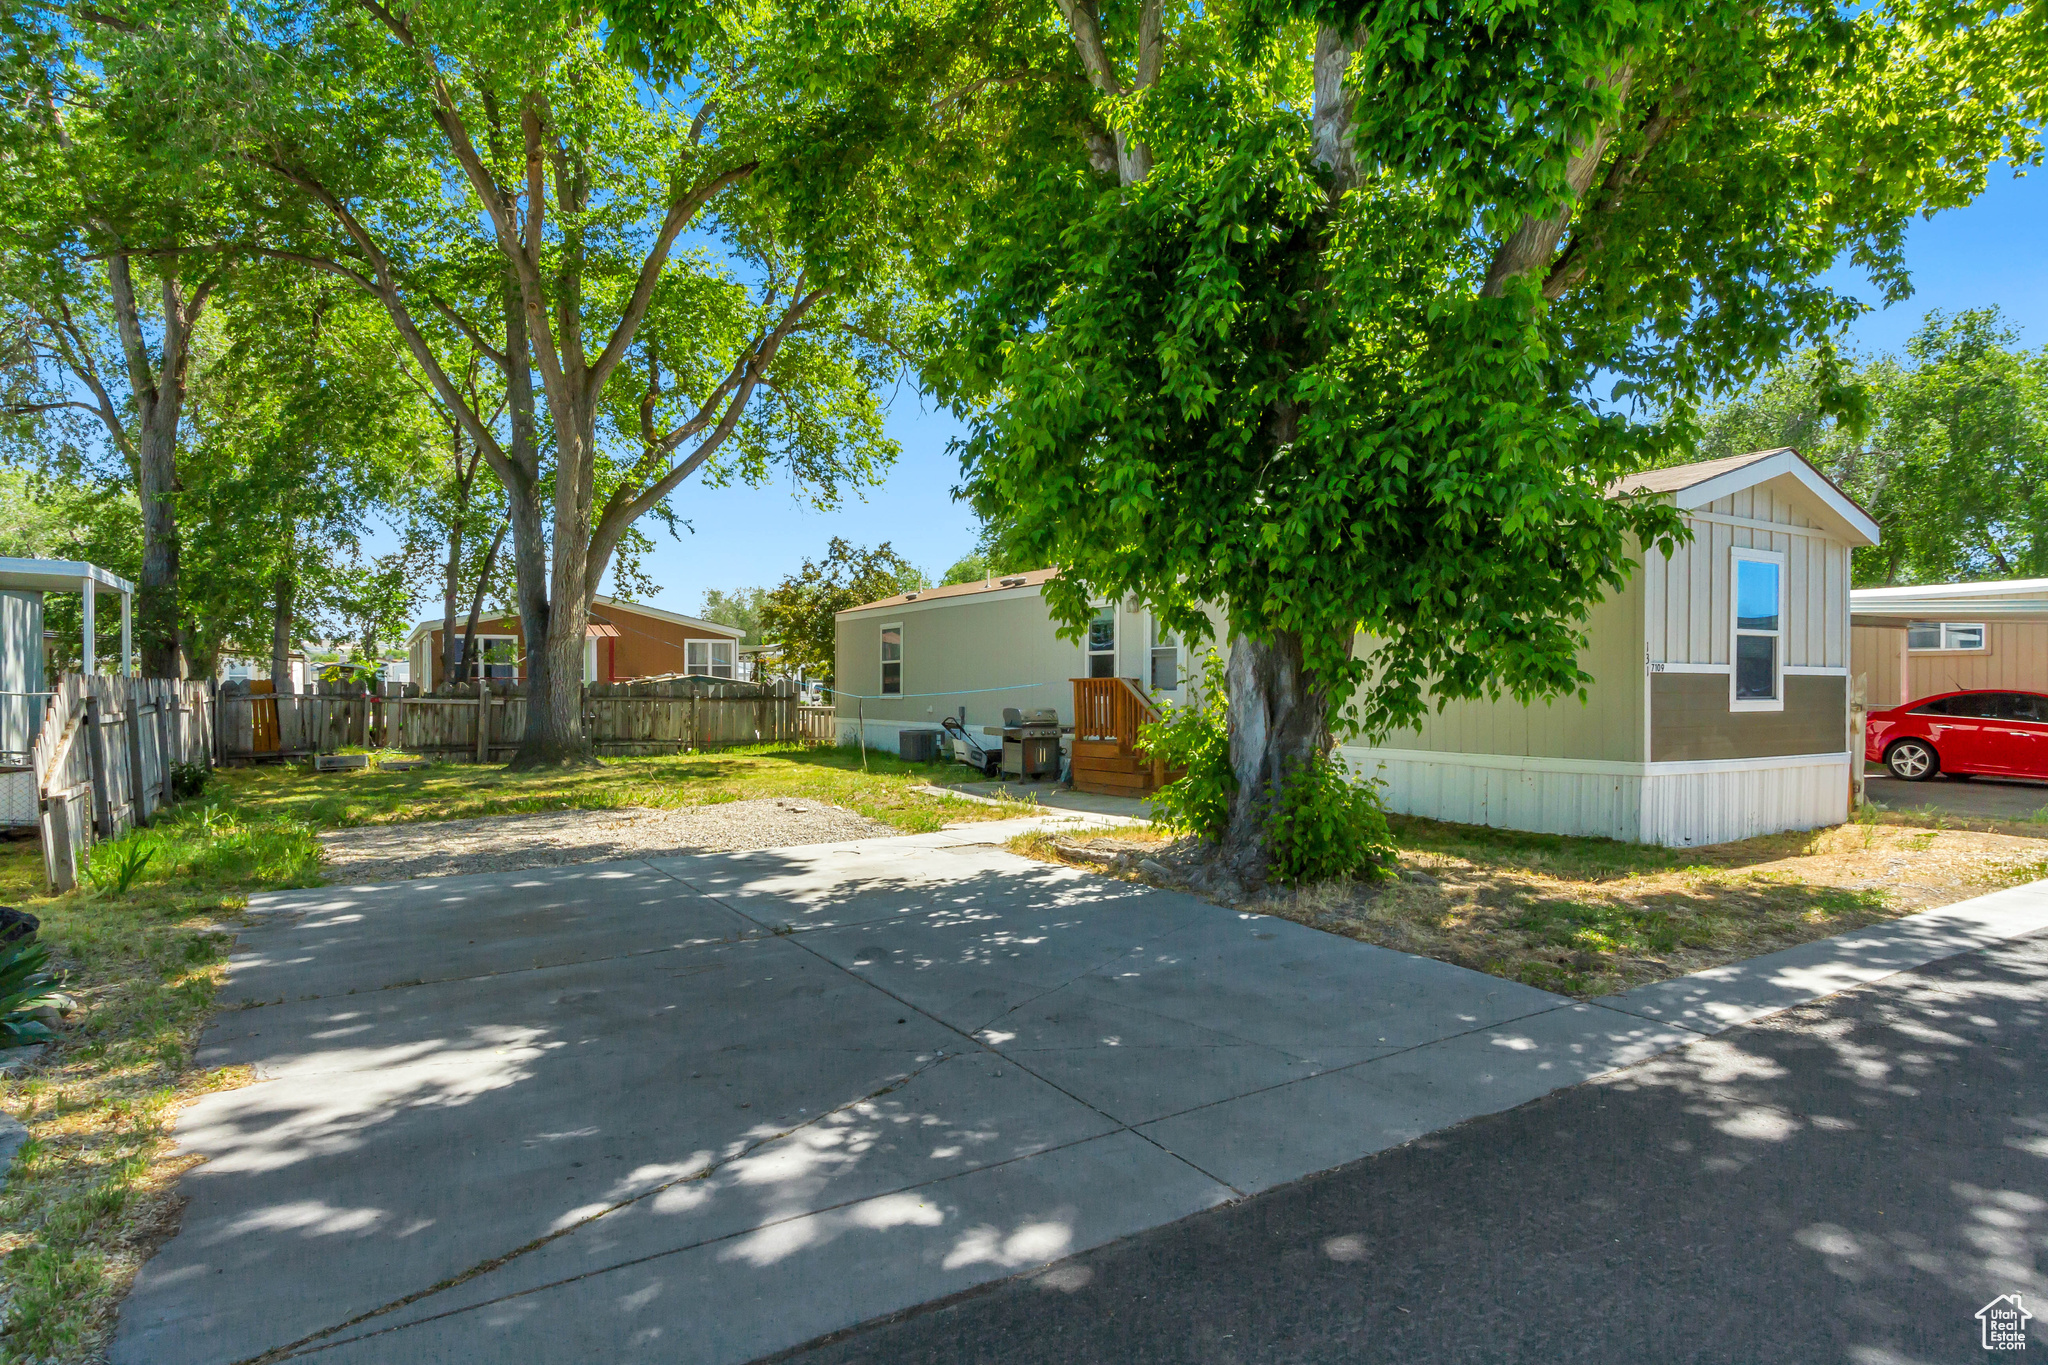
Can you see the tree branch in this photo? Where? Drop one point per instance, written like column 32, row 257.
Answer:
column 1533, row 245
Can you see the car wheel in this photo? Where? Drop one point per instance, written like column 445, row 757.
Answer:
column 1912, row 759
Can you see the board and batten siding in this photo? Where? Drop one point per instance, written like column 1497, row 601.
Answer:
column 1607, row 725
column 984, row 652
column 1877, row 656
column 1689, row 608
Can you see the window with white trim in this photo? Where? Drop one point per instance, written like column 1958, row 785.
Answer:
column 497, row 655
column 1102, row 643
column 1757, row 678
column 1165, row 658
column 708, row 658
column 892, row 660
column 1945, row 635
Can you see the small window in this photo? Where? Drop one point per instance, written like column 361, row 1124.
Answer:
column 497, row 656
column 1965, row 635
column 708, row 658
column 1165, row 659
column 1102, row 644
column 892, row 660
column 1759, row 630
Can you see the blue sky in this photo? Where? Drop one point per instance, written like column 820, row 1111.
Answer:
column 1993, row 252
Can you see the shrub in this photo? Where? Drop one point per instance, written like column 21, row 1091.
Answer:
column 24, row 986
column 188, row 780
column 1324, row 826
column 1195, row 740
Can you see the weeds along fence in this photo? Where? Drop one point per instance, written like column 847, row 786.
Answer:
column 104, row 759
column 466, row 722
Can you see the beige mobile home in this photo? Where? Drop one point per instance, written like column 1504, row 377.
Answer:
column 1720, row 702
column 1719, row 707
column 1949, row 637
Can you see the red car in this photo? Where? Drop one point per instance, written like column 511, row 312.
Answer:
column 1962, row 734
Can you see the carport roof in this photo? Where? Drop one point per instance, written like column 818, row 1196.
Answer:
column 2017, row 599
column 57, row 575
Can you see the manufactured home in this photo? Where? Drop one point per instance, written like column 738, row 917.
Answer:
column 1719, row 707
column 24, row 674
column 622, row 641
column 1913, row 642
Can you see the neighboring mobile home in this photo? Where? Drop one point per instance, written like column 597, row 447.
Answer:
column 1719, row 707
column 1949, row 637
column 24, row 673
column 622, row 641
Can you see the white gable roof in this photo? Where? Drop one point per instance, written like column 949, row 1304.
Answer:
column 1693, row 486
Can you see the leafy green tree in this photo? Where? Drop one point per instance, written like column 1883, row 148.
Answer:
column 1299, row 307
column 741, row 609
column 798, row 616
column 305, row 429
column 1946, row 446
column 630, row 251
column 91, row 230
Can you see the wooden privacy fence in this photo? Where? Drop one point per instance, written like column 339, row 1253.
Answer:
column 104, row 757
column 622, row 719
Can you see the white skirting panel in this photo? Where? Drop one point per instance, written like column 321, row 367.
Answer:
column 1547, row 802
column 1689, row 808
column 1682, row 805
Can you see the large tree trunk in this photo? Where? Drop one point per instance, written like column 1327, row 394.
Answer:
column 283, row 605
column 1279, row 717
column 555, row 736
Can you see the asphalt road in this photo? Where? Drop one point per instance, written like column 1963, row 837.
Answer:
column 1849, row 1181
column 1984, row 798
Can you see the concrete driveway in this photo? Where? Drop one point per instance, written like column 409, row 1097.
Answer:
column 706, row 1108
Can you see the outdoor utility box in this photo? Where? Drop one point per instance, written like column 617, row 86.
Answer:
column 918, row 746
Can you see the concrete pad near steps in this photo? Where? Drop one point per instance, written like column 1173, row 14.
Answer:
column 1290, row 1131
column 354, row 938
column 745, row 1297
column 1723, row 997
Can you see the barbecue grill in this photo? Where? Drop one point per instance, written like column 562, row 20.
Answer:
column 1031, row 742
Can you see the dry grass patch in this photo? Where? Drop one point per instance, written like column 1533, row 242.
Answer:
column 1587, row 917
column 884, row 790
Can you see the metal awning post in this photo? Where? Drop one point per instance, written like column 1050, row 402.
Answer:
column 127, row 635
column 88, row 641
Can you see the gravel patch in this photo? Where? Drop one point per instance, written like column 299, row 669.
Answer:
column 506, row 843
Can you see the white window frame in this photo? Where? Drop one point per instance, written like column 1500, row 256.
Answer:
column 1089, row 653
column 480, row 665
column 1738, row 556
column 883, row 661
column 1945, row 647
column 1153, row 649
column 711, row 664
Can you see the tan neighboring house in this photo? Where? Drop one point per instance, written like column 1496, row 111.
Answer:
column 1719, row 707
column 1915, row 642
column 622, row 641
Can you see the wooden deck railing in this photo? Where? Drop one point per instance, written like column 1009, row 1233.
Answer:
column 1111, row 709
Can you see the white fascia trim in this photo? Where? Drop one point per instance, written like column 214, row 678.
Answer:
column 1816, row 671
column 1937, row 591
column 1770, row 467
column 906, row 608
column 1366, row 758
column 1791, row 670
column 1663, row 666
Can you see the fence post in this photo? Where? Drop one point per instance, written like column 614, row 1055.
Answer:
column 139, row 804
column 166, row 739
column 483, row 718
column 96, row 763
column 60, row 852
